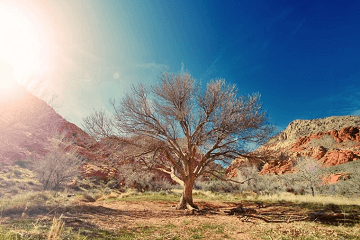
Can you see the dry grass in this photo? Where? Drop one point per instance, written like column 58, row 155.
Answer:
column 337, row 200
column 133, row 215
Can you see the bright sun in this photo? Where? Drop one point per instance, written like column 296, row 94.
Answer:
column 20, row 44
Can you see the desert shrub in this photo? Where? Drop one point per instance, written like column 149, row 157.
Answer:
column 31, row 183
column 142, row 181
column 349, row 187
column 13, row 191
column 10, row 183
column 307, row 178
column 248, row 180
column 58, row 166
column 218, row 186
column 106, row 191
column 260, row 184
column 17, row 173
column 38, row 197
column 88, row 184
column 114, row 184
column 3, row 164
column 269, row 184
column 146, row 182
column 88, row 197
column 26, row 163
column 22, row 186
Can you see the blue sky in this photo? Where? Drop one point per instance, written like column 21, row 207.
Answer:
column 303, row 57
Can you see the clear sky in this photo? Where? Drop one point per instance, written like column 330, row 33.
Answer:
column 303, row 57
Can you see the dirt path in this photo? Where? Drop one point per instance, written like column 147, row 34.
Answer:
column 130, row 215
column 160, row 220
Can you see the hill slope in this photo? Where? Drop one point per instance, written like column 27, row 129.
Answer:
column 332, row 141
column 27, row 123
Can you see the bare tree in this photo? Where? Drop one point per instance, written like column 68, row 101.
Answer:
column 99, row 124
column 184, row 131
column 37, row 86
column 309, row 173
column 59, row 165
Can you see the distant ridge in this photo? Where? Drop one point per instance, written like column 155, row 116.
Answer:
column 332, row 141
column 299, row 128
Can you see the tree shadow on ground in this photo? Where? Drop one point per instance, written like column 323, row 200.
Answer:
column 329, row 214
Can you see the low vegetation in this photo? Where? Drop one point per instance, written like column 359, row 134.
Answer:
column 264, row 207
column 151, row 215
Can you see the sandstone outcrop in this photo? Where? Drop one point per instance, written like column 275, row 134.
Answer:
column 332, row 141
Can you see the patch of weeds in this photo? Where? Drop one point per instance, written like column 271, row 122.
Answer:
column 126, row 235
column 23, row 224
column 208, row 230
column 146, row 230
column 196, row 236
column 214, row 227
column 170, row 226
column 185, row 222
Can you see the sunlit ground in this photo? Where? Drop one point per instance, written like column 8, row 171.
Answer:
column 310, row 199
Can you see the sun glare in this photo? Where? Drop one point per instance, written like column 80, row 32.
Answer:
column 20, row 43
column 6, row 75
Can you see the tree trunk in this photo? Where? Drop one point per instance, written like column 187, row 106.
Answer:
column 186, row 201
column 312, row 191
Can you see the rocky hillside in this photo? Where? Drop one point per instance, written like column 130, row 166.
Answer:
column 332, row 141
column 27, row 123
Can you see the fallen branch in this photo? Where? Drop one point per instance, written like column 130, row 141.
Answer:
column 276, row 221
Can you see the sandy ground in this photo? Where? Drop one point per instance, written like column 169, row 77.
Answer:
column 162, row 218
column 131, row 215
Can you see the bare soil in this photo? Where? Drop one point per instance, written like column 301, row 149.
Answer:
column 123, row 215
column 135, row 216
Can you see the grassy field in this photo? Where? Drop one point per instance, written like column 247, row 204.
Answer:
column 133, row 215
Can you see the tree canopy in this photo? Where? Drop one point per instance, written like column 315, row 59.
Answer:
column 184, row 130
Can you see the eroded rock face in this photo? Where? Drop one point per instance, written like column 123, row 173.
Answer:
column 334, row 178
column 332, row 141
column 302, row 128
